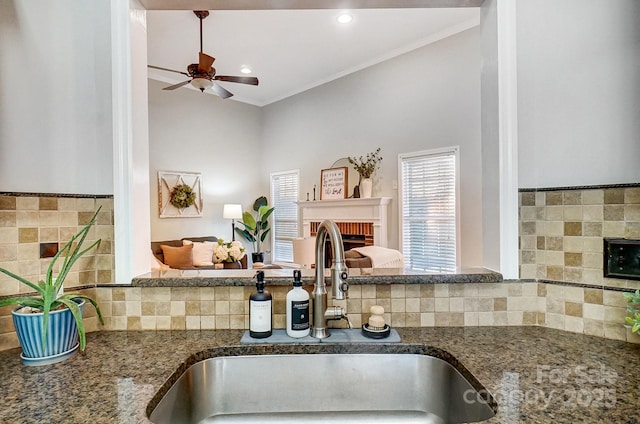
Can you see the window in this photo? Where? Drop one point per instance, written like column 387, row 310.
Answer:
column 284, row 194
column 428, row 209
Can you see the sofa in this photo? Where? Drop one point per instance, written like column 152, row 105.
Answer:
column 178, row 256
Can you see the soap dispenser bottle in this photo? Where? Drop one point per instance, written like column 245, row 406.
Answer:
column 260, row 310
column 297, row 308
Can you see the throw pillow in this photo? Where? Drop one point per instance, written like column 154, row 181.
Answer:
column 178, row 257
column 202, row 252
column 352, row 254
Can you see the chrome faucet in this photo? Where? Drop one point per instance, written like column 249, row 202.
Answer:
column 339, row 286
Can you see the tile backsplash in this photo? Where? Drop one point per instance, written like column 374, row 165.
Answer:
column 597, row 312
column 26, row 221
column 592, row 311
column 562, row 231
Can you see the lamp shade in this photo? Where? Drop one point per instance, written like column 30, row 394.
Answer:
column 232, row 212
column 304, row 253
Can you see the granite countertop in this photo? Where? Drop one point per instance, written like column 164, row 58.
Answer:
column 536, row 374
column 283, row 277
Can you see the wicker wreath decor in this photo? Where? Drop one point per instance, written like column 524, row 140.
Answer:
column 182, row 196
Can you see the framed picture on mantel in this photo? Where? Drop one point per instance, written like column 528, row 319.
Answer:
column 334, row 183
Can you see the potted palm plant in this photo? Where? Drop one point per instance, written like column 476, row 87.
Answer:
column 255, row 229
column 49, row 326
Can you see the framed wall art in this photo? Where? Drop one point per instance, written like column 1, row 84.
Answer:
column 179, row 194
column 334, row 183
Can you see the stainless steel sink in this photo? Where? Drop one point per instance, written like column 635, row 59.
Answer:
column 323, row 388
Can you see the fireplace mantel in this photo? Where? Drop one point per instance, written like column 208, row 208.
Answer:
column 372, row 210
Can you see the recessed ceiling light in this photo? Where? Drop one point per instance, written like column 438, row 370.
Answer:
column 345, row 18
column 245, row 70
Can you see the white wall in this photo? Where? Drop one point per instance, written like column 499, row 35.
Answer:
column 426, row 99
column 195, row 132
column 579, row 92
column 55, row 102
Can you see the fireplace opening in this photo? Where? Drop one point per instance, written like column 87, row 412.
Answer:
column 354, row 234
column 349, row 241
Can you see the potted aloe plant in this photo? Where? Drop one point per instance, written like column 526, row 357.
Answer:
column 255, row 229
column 49, row 326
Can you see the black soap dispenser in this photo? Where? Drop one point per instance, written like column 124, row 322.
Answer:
column 260, row 307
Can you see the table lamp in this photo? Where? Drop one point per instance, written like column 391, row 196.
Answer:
column 232, row 212
column 304, row 252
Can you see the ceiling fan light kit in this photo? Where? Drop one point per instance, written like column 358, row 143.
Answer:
column 203, row 74
column 201, row 83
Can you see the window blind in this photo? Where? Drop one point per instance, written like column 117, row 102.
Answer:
column 284, row 194
column 428, row 210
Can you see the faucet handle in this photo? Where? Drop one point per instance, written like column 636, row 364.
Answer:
column 344, row 286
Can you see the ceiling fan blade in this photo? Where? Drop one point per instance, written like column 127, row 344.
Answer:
column 204, row 62
column 173, row 87
column 241, row 80
column 166, row 69
column 220, row 91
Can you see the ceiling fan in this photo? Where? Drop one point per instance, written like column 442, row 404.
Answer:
column 202, row 74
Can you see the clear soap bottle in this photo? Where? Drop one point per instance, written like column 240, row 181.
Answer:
column 260, row 307
column 297, row 308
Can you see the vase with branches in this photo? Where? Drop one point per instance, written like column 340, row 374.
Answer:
column 366, row 166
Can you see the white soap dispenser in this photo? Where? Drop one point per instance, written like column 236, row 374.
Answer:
column 297, row 308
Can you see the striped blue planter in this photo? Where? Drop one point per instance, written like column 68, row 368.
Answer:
column 62, row 336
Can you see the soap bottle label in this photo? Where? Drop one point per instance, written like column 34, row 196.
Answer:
column 260, row 317
column 300, row 314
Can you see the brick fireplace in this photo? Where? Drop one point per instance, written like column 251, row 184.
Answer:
column 362, row 222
